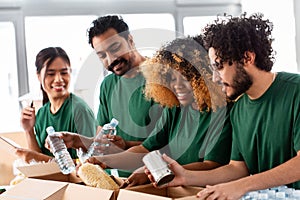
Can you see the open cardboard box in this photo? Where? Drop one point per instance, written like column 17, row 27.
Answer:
column 50, row 173
column 149, row 192
column 54, row 190
column 52, row 186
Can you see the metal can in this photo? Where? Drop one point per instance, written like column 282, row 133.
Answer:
column 158, row 168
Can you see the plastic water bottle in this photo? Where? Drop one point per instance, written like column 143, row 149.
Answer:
column 61, row 154
column 109, row 128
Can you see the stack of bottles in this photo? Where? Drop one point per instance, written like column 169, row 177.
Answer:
column 276, row 193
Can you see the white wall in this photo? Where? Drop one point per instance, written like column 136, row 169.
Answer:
column 281, row 13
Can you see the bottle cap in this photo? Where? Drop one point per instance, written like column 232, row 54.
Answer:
column 50, row 130
column 114, row 122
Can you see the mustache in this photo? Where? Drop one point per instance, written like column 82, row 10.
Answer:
column 116, row 62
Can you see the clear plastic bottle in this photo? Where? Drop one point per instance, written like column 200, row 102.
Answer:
column 60, row 152
column 109, row 128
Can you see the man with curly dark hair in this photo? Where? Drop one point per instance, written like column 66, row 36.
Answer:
column 265, row 118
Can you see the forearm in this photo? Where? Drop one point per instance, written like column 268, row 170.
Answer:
column 130, row 144
column 31, row 141
column 83, row 142
column 285, row 173
column 127, row 160
column 205, row 165
column 234, row 170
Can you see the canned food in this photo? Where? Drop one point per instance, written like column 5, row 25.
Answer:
column 158, row 168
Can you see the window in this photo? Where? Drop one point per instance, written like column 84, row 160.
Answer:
column 149, row 31
column 9, row 105
column 194, row 25
column 282, row 16
column 68, row 32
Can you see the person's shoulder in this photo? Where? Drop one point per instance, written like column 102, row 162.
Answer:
column 290, row 78
column 76, row 99
column 78, row 103
column 109, row 80
column 110, row 77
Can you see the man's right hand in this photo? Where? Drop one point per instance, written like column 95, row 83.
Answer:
column 96, row 161
column 72, row 140
column 176, row 168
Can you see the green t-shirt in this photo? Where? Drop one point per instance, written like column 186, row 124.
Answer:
column 123, row 99
column 190, row 136
column 266, row 131
column 73, row 116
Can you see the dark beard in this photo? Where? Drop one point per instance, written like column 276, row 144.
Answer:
column 116, row 62
column 241, row 82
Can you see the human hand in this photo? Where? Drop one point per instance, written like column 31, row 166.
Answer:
column 222, row 191
column 28, row 118
column 117, row 141
column 176, row 168
column 29, row 155
column 93, row 160
column 110, row 144
column 96, row 160
column 138, row 177
column 71, row 140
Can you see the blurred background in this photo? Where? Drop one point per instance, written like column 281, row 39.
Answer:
column 27, row 26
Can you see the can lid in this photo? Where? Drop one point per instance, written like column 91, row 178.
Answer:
column 165, row 179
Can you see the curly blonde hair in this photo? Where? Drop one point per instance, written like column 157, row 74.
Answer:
column 187, row 56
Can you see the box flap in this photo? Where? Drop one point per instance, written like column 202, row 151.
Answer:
column 39, row 169
column 182, row 191
column 48, row 171
column 8, row 145
column 149, row 189
column 79, row 192
column 127, row 194
column 53, row 190
column 189, row 198
column 34, row 189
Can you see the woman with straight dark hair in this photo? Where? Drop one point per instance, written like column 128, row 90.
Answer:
column 61, row 109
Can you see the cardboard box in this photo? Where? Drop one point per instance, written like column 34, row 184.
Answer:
column 48, row 171
column 7, row 154
column 52, row 178
column 149, row 192
column 54, row 190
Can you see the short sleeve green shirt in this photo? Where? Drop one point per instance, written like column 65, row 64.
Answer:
column 123, row 99
column 191, row 136
column 73, row 116
column 266, row 131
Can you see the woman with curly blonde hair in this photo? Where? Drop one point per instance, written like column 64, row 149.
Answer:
column 194, row 128
column 187, row 57
column 195, row 125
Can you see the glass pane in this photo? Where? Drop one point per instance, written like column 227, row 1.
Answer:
column 9, row 105
column 194, row 25
column 68, row 32
column 283, row 31
column 150, row 31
